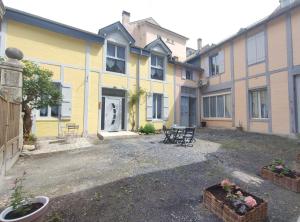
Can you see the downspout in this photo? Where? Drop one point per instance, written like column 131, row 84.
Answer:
column 138, row 87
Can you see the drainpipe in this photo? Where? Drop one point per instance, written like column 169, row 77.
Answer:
column 138, row 87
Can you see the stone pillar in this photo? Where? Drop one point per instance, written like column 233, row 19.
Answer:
column 11, row 81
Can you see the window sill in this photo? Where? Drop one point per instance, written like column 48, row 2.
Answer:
column 156, row 120
column 115, row 73
column 216, row 75
column 257, row 63
column 216, row 119
column 259, row 120
column 52, row 119
column 159, row 81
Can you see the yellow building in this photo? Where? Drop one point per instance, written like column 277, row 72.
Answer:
column 95, row 72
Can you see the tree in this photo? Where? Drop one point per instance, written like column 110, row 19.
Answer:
column 133, row 103
column 38, row 92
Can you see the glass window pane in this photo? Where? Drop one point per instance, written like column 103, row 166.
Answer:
column 220, row 106
column 159, row 106
column 160, row 62
column 44, row 111
column 157, row 74
column 121, row 52
column 110, row 50
column 213, row 106
column 264, row 104
column 228, row 106
column 254, row 104
column 206, row 107
column 120, row 66
column 189, row 74
column 54, row 111
column 154, row 106
column 153, row 60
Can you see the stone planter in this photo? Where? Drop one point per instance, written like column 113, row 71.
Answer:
column 33, row 217
column 288, row 183
column 227, row 214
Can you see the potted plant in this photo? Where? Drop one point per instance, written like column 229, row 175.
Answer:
column 203, row 124
column 281, row 175
column 232, row 204
column 29, row 143
column 23, row 208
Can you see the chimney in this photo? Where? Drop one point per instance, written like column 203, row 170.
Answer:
column 125, row 17
column 199, row 44
column 285, row 3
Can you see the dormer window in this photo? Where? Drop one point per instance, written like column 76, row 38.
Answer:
column 115, row 58
column 157, row 67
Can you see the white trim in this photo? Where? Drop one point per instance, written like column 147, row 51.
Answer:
column 3, row 37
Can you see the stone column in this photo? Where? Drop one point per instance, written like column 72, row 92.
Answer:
column 11, row 81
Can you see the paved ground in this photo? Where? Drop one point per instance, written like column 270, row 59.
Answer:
column 143, row 180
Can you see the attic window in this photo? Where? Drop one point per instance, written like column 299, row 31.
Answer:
column 170, row 41
column 157, row 67
column 115, row 58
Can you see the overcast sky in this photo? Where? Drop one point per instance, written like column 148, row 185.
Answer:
column 211, row 20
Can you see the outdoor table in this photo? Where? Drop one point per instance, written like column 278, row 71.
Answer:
column 178, row 133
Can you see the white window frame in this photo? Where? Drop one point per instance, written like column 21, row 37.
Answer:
column 157, row 67
column 259, row 104
column 217, row 65
column 224, row 101
column 38, row 113
column 185, row 74
column 116, row 45
column 156, row 102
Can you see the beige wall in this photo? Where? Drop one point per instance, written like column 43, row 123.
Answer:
column 296, row 35
column 277, row 44
column 239, row 58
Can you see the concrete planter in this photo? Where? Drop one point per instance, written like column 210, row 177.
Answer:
column 33, row 217
column 224, row 212
column 288, row 183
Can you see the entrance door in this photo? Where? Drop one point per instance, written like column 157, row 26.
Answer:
column 297, row 89
column 113, row 114
column 192, row 112
column 184, row 113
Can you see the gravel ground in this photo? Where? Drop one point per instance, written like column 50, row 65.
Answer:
column 143, row 180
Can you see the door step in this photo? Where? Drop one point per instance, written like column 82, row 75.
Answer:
column 116, row 135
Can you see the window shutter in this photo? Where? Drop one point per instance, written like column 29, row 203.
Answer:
column 66, row 108
column 260, row 47
column 206, row 66
column 221, row 59
column 166, row 107
column 251, row 48
column 149, row 106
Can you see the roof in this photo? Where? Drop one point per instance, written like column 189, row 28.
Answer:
column 161, row 43
column 278, row 12
column 50, row 25
column 186, row 65
column 150, row 21
column 116, row 26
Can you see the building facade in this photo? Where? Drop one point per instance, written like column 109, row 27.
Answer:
column 254, row 76
column 96, row 73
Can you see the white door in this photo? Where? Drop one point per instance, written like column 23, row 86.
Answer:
column 113, row 114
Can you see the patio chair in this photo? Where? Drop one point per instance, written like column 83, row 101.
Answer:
column 71, row 129
column 169, row 135
column 188, row 136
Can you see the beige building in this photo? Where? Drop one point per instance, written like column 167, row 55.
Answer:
column 254, row 76
column 147, row 30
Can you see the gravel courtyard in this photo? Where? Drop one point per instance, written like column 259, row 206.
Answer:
column 142, row 180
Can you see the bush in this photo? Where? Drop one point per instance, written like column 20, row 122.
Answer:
column 147, row 129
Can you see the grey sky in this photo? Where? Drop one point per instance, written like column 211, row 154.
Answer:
column 212, row 20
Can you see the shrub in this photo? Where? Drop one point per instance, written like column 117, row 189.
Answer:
column 147, row 129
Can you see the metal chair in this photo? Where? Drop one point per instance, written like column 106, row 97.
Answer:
column 188, row 136
column 169, row 136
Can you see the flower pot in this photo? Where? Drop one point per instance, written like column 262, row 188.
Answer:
column 203, row 124
column 227, row 214
column 34, row 216
column 288, row 183
column 239, row 128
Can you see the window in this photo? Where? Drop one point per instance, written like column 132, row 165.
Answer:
column 218, row 106
column 256, row 48
column 216, row 64
column 115, row 58
column 188, row 74
column 51, row 111
column 259, row 106
column 157, row 67
column 157, row 106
